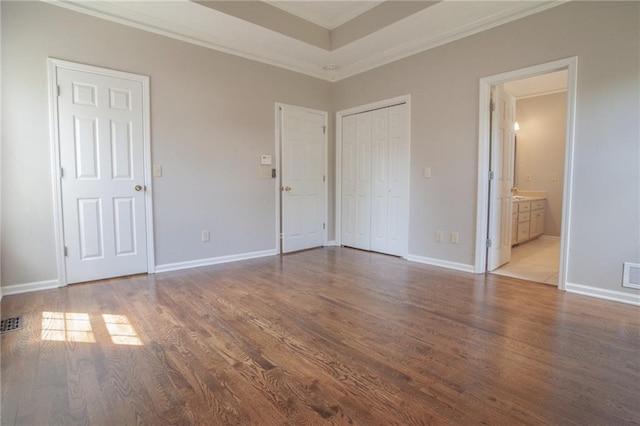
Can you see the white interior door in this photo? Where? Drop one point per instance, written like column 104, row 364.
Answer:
column 501, row 181
column 100, row 124
column 363, row 182
column 375, row 180
column 349, row 165
column 303, row 178
column 390, row 177
column 380, row 188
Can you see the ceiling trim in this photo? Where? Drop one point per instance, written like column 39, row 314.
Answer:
column 312, row 59
column 430, row 41
column 169, row 29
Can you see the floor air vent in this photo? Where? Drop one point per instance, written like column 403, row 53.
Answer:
column 10, row 324
column 631, row 275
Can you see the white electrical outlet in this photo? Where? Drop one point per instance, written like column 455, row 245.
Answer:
column 455, row 237
column 439, row 236
column 527, row 178
column 205, row 236
column 554, row 177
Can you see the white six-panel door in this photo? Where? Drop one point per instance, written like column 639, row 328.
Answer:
column 303, row 178
column 375, row 180
column 100, row 124
column 390, row 175
column 501, row 201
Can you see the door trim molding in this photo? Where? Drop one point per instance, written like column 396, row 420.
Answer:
column 385, row 103
column 52, row 66
column 482, row 213
column 278, row 180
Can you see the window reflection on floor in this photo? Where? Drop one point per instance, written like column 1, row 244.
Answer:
column 76, row 327
column 121, row 330
column 67, row 327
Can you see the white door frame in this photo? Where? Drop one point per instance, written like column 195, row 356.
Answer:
column 278, row 179
column 482, row 206
column 53, row 65
column 385, row 103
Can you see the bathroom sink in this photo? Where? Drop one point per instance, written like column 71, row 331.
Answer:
column 518, row 197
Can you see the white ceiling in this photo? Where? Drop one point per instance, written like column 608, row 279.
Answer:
column 433, row 26
column 327, row 14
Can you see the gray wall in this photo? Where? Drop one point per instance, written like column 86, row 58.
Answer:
column 540, row 152
column 212, row 115
column 443, row 83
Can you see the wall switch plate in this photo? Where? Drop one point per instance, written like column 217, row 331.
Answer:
column 265, row 173
column 439, row 236
column 426, row 172
column 554, row 177
column 265, row 160
column 205, row 236
column 455, row 237
column 157, row 170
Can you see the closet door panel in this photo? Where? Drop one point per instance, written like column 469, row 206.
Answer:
column 398, row 182
column 363, row 181
column 379, row 179
column 349, row 180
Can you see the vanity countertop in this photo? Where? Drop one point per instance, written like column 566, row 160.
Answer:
column 518, row 198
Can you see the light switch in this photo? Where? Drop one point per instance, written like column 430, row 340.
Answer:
column 426, row 172
column 265, row 173
column 157, row 170
column 265, row 160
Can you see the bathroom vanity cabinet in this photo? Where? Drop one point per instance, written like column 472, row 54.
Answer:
column 527, row 220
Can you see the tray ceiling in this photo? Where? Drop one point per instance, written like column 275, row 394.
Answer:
column 364, row 44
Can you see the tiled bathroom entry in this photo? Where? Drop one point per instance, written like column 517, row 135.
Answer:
column 536, row 260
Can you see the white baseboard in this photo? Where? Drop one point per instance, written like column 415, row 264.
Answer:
column 331, row 243
column 214, row 260
column 616, row 296
column 442, row 263
column 549, row 237
column 29, row 287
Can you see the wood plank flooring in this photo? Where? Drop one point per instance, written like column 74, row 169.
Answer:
column 327, row 336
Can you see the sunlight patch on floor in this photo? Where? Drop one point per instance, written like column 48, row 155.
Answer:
column 67, row 327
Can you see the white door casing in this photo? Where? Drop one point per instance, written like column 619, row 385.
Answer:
column 482, row 211
column 501, row 180
column 100, row 134
column 303, row 178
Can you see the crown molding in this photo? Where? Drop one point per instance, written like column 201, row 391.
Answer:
column 192, row 23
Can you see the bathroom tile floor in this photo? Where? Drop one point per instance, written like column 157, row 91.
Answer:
column 537, row 260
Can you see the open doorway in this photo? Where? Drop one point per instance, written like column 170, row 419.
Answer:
column 511, row 210
column 539, row 136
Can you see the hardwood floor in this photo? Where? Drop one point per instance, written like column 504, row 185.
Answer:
column 324, row 336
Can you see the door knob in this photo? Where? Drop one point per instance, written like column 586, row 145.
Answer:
column 287, row 188
column 138, row 188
